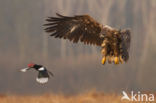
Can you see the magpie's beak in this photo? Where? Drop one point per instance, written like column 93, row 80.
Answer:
column 24, row 69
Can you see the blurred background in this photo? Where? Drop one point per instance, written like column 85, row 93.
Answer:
column 77, row 67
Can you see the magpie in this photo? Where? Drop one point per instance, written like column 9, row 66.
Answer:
column 43, row 75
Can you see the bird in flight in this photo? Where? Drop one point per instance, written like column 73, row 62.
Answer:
column 43, row 75
column 114, row 43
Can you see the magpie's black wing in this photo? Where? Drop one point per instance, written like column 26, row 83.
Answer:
column 43, row 77
column 51, row 73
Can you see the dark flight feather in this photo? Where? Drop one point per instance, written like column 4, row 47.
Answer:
column 78, row 28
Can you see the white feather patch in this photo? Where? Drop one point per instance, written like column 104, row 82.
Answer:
column 41, row 69
column 73, row 28
column 42, row 80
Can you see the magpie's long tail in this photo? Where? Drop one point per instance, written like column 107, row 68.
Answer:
column 51, row 73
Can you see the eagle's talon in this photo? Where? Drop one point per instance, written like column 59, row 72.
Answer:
column 103, row 60
column 116, row 60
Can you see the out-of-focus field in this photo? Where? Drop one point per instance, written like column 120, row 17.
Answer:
column 90, row 97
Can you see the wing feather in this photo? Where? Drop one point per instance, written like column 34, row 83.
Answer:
column 77, row 28
column 125, row 44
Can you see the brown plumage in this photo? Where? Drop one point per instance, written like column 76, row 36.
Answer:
column 115, row 43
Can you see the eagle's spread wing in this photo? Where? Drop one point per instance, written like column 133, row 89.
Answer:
column 83, row 28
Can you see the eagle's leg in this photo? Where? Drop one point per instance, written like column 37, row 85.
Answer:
column 121, row 54
column 104, row 51
column 110, row 57
column 116, row 55
column 120, row 59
